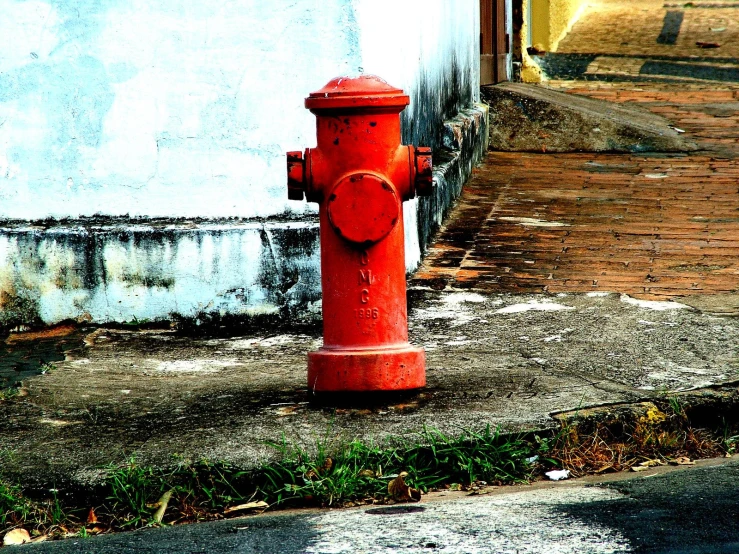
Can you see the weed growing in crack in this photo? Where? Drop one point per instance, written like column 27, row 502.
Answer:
column 471, row 456
column 618, row 443
column 14, row 508
column 132, row 488
column 676, row 406
column 47, row 367
column 356, row 470
column 8, row 393
column 56, row 512
column 198, row 490
column 351, row 471
column 729, row 441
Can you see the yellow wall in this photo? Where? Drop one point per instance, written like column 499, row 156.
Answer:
column 530, row 70
column 551, row 20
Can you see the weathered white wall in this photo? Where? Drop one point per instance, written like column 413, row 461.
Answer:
column 175, row 109
column 431, row 50
column 167, row 108
column 185, row 109
column 415, row 46
column 145, row 272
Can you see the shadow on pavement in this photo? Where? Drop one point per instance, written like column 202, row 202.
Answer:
column 680, row 512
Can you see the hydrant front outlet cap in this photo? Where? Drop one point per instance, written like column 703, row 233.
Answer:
column 359, row 173
column 363, row 208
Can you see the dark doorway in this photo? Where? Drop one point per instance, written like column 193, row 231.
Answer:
column 493, row 42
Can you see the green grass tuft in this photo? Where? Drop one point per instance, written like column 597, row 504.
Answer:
column 355, row 470
column 8, row 393
column 132, row 490
column 335, row 471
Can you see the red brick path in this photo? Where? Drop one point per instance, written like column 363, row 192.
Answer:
column 652, row 226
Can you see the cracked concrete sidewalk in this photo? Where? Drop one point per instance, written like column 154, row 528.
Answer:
column 498, row 359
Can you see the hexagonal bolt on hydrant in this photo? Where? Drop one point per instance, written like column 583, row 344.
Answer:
column 360, row 174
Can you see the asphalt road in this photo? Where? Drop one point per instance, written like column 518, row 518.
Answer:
column 686, row 511
column 683, row 512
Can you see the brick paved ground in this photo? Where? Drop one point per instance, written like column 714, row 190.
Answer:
column 651, row 41
column 631, row 28
column 652, row 226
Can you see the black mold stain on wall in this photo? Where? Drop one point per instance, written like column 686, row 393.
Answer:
column 458, row 166
column 18, row 309
column 285, row 269
column 288, row 270
column 422, row 123
column 434, row 102
column 88, row 270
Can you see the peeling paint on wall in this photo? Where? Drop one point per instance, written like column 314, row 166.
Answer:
column 163, row 109
column 139, row 272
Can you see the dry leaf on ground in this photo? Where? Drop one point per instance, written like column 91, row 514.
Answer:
column 400, row 491
column 91, row 517
column 163, row 503
column 325, row 468
column 16, row 536
column 651, row 463
column 682, row 461
column 259, row 505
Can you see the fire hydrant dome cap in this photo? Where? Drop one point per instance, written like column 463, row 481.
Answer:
column 366, row 91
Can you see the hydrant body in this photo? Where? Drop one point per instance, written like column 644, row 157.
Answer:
column 360, row 174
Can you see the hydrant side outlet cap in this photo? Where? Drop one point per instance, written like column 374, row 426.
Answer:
column 357, row 92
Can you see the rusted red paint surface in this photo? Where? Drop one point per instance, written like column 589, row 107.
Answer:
column 360, row 174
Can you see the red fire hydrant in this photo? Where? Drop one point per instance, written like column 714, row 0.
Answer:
column 360, row 174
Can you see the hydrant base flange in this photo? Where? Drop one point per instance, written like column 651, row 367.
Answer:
column 347, row 370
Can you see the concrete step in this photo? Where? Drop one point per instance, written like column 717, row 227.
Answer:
column 532, row 118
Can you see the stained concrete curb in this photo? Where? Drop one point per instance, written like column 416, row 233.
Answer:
column 609, row 514
column 465, row 142
column 530, row 118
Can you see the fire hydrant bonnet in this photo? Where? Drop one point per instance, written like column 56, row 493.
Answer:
column 367, row 91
